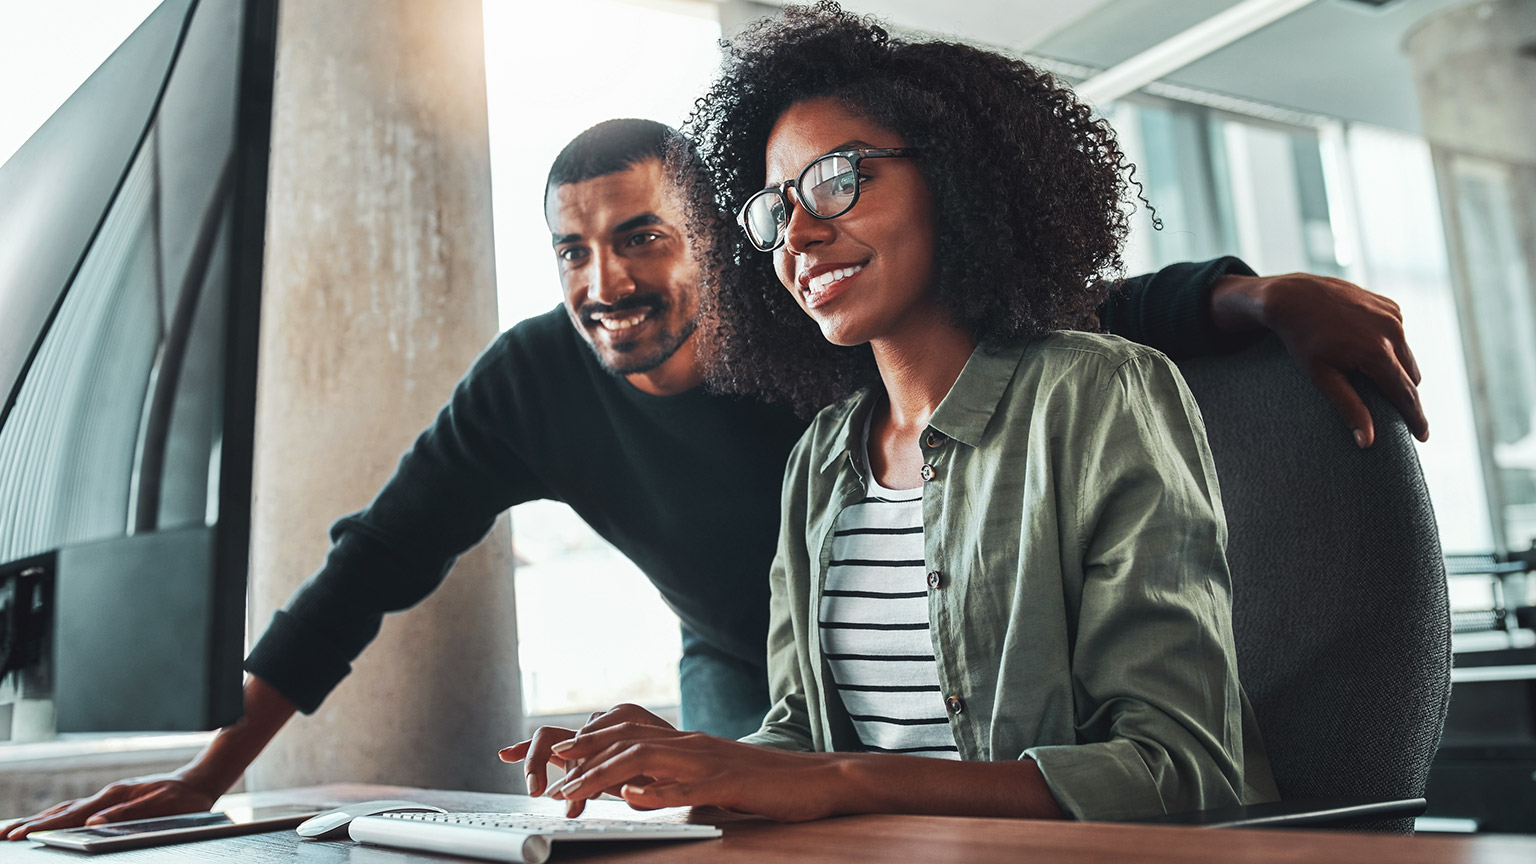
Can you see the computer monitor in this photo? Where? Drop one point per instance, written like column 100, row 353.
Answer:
column 131, row 240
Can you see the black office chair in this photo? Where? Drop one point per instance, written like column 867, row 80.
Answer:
column 1339, row 595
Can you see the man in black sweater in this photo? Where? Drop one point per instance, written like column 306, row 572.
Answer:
column 600, row 404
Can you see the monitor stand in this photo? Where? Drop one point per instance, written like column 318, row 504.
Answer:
column 26, row 651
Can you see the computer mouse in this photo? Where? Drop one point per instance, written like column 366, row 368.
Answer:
column 332, row 824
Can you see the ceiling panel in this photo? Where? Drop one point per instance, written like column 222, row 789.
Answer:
column 1336, row 57
column 1006, row 23
column 1339, row 58
column 1121, row 29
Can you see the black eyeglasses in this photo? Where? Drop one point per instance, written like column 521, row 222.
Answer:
column 827, row 188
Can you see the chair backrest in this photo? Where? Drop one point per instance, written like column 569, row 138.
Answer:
column 1339, row 594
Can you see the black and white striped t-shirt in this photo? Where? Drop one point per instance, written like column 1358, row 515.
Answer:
column 874, row 626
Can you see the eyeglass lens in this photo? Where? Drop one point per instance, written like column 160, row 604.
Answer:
column 828, row 185
column 827, row 188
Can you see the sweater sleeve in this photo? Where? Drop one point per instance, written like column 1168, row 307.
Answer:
column 1170, row 310
column 444, row 497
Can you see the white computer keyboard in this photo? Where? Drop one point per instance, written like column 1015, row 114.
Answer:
column 519, row 838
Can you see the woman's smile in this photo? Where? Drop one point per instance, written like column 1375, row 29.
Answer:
column 824, row 283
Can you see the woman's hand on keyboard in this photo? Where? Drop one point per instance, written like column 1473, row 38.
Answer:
column 654, row 766
column 538, row 752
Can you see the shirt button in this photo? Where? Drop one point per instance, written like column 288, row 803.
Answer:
column 934, row 439
column 955, row 704
column 935, row 579
column 928, row 473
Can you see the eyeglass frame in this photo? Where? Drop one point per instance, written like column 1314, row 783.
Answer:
column 782, row 189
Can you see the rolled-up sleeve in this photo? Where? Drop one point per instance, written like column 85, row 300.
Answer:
column 787, row 725
column 1154, row 670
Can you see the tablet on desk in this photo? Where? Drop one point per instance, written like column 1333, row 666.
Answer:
column 179, row 829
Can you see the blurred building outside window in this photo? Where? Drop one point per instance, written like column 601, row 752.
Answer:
column 1495, row 206
column 1352, row 201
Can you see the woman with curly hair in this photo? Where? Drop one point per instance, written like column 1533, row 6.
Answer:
column 1000, row 588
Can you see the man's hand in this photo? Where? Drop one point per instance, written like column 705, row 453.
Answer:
column 192, row 788
column 137, row 798
column 540, row 751
column 1331, row 328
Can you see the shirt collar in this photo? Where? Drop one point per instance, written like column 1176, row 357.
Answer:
column 963, row 414
column 968, row 407
column 850, row 431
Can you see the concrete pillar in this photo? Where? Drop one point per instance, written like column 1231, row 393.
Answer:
column 1475, row 70
column 380, row 292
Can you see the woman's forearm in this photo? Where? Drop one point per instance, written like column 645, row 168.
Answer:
column 653, row 767
column 881, row 783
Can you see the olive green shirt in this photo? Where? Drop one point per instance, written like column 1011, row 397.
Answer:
column 1079, row 597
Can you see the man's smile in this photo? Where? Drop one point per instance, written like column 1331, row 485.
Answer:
column 622, row 316
column 622, row 320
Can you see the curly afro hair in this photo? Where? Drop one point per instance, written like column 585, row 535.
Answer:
column 1028, row 190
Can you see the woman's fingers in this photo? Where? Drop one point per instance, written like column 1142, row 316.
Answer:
column 536, row 753
column 640, row 764
column 656, row 796
column 621, row 714
column 569, row 749
column 587, row 743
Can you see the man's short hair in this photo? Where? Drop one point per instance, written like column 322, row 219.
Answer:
column 608, row 148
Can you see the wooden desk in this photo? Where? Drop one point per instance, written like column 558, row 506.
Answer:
column 857, row 838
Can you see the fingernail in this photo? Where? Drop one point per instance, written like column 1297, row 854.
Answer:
column 528, row 784
column 564, row 745
column 1360, row 438
column 567, row 788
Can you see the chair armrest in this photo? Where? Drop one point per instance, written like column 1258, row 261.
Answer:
column 1311, row 812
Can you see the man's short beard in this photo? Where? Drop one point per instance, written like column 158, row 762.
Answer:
column 639, row 364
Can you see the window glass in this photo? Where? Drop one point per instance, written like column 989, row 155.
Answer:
column 552, row 71
column 1174, row 152
column 1361, row 205
column 1403, row 255
column 1487, row 200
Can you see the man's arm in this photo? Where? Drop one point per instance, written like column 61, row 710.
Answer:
column 463, row 470
column 193, row 787
column 1331, row 328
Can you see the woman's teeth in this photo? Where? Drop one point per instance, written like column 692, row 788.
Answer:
column 819, row 283
column 621, row 322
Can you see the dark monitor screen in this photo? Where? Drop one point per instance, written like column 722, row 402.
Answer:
column 131, row 239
